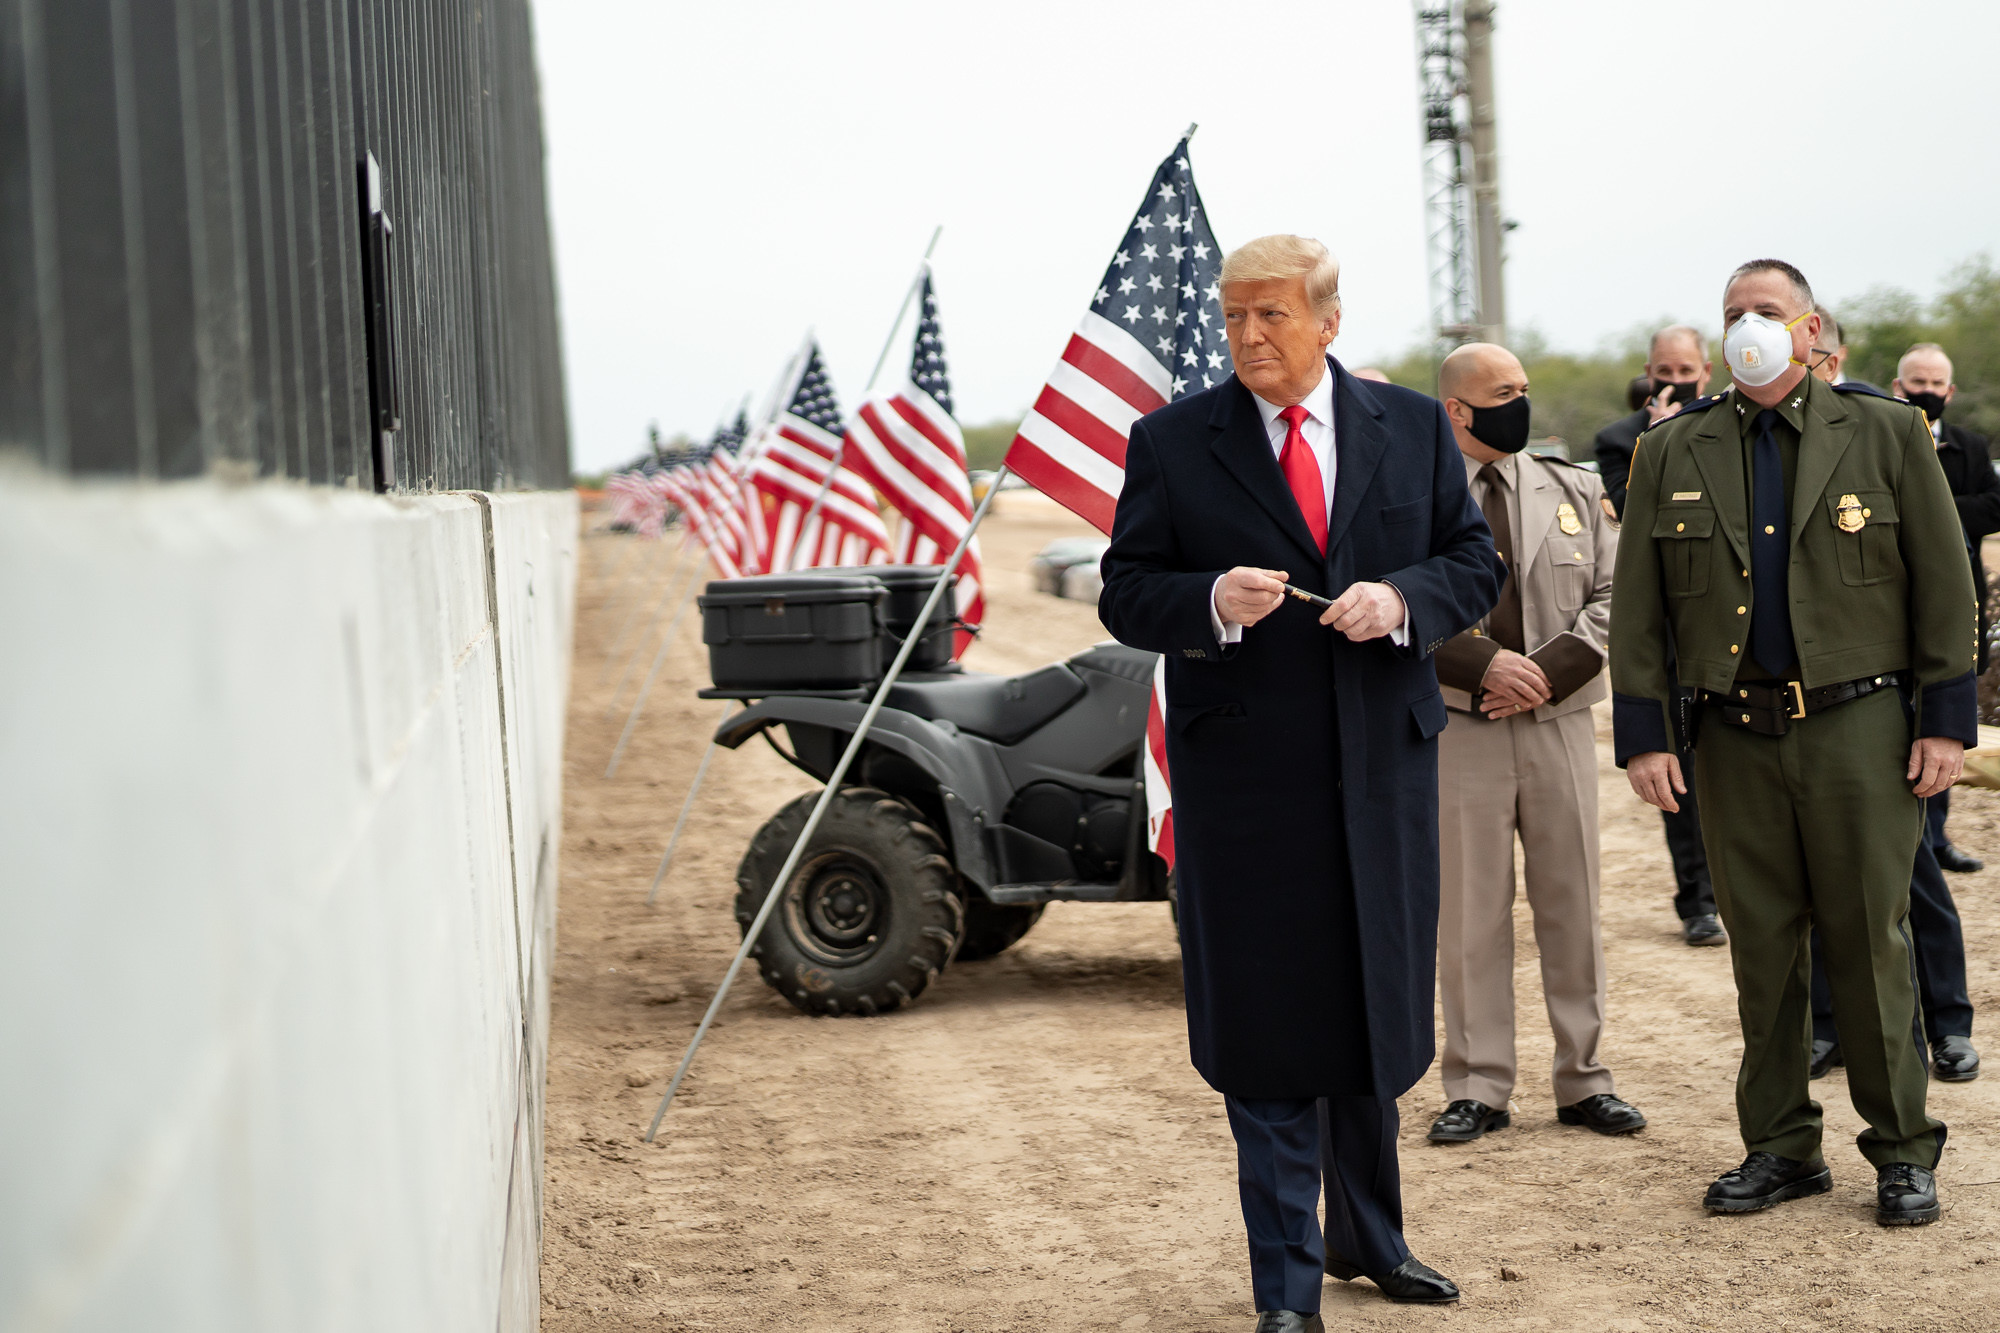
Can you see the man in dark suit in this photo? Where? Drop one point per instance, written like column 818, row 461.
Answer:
column 1678, row 368
column 1303, row 751
column 1924, row 377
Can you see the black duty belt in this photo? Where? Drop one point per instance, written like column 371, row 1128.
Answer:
column 1770, row 709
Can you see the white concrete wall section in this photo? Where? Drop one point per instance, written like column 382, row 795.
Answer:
column 279, row 812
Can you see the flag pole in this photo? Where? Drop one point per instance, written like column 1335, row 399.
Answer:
column 638, row 600
column 667, row 595
column 694, row 790
column 826, row 794
column 888, row 344
column 659, row 659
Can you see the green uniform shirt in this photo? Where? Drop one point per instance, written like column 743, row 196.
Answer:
column 1878, row 577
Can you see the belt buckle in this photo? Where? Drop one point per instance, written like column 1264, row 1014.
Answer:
column 1798, row 697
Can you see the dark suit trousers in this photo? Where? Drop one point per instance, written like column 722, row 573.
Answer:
column 1284, row 1150
column 1938, row 946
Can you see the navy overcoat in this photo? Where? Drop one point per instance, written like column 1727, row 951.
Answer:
column 1304, row 765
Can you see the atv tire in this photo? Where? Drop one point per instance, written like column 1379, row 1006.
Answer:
column 872, row 911
column 992, row 928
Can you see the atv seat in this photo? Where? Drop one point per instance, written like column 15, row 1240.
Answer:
column 1000, row 708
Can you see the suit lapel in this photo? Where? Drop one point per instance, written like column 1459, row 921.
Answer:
column 1719, row 455
column 1818, row 457
column 1358, row 442
column 1242, row 446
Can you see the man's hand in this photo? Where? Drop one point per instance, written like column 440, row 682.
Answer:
column 1656, row 777
column 1935, row 763
column 1245, row 596
column 1513, row 684
column 1659, row 408
column 1365, row 611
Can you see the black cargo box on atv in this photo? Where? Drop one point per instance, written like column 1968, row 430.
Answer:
column 793, row 631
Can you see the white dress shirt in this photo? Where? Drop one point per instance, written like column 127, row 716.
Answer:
column 1317, row 429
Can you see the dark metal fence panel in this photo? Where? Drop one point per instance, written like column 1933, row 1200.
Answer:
column 182, row 274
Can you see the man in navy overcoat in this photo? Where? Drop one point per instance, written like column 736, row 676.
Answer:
column 1302, row 749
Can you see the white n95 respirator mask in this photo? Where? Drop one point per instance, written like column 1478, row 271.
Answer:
column 1758, row 348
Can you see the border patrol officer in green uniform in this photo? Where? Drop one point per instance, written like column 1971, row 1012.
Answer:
column 1797, row 545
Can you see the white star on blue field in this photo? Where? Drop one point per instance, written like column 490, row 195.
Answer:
column 1163, row 286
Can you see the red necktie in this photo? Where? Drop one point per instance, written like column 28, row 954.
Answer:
column 1301, row 471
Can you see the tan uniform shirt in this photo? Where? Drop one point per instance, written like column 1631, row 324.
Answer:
column 1567, row 546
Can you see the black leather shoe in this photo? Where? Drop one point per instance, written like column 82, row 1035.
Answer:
column 1765, row 1180
column 1905, row 1196
column 1954, row 1059
column 1465, row 1120
column 1825, row 1055
column 1952, row 859
column 1604, row 1113
column 1288, row 1321
column 1701, row 930
column 1411, row 1282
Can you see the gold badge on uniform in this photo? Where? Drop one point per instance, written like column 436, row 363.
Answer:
column 1567, row 520
column 1848, row 514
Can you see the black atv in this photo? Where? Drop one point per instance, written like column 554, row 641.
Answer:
column 976, row 800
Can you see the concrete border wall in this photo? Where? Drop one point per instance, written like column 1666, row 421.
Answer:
column 280, row 802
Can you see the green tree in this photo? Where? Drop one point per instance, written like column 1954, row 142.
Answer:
column 1964, row 319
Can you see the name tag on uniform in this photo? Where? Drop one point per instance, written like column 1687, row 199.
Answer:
column 1687, row 495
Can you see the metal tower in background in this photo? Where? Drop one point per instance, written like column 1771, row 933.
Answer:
column 1462, row 221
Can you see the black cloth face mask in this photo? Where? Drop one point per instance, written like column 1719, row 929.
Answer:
column 1931, row 403
column 1683, row 393
column 1503, row 427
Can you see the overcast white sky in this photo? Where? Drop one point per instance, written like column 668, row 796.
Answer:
column 724, row 176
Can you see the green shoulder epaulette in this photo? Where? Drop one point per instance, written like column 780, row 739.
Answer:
column 1856, row 386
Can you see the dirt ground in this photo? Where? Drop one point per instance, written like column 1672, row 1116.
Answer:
column 1027, row 1148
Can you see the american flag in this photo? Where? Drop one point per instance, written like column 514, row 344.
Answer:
column 908, row 446
column 719, row 489
column 801, row 451
column 1153, row 333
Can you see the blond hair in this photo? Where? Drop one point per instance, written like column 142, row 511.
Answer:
column 1276, row 258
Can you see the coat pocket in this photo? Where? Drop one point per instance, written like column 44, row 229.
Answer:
column 1429, row 714
column 1684, row 536
column 1181, row 717
column 1405, row 512
column 1865, row 529
column 1574, row 570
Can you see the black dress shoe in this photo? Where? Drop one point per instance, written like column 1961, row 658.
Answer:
column 1289, row 1321
column 1952, row 859
column 1954, row 1059
column 1465, row 1120
column 1604, row 1113
column 1411, row 1282
column 1764, row 1180
column 1825, row 1055
column 1905, row 1196
column 1701, row 930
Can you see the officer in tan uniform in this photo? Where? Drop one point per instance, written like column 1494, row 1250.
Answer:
column 1520, row 758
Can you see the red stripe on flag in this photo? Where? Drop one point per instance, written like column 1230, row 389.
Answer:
column 1102, row 440
column 1052, row 479
column 1112, row 373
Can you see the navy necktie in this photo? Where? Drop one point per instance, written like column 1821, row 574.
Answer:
column 1770, row 552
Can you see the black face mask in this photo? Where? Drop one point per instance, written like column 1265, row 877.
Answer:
column 1931, row 403
column 1683, row 393
column 1504, row 427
